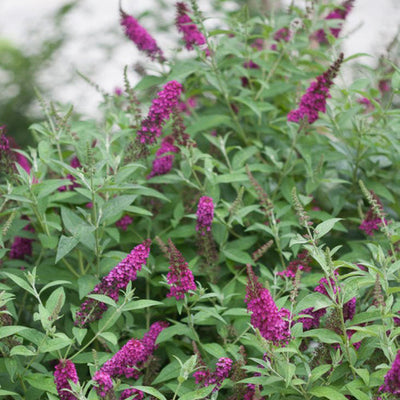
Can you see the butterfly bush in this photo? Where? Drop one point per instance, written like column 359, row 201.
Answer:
column 277, row 267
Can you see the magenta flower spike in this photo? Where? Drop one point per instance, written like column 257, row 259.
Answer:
column 179, row 277
column 164, row 157
column 191, row 34
column 65, row 371
column 271, row 322
column 139, row 35
column 205, row 214
column 118, row 279
column 129, row 360
column 160, row 111
column 392, row 378
column 314, row 100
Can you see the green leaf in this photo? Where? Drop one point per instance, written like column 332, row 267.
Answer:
column 42, row 382
column 139, row 304
column 10, row 330
column 170, row 371
column 109, row 336
column 327, row 392
column 56, row 301
column 103, row 299
column 65, row 246
column 86, row 284
column 317, row 372
column 116, row 205
column 214, row 349
column 314, row 300
column 234, row 177
column 238, row 256
column 22, row 351
column 54, row 283
column 20, row 282
column 79, row 334
column 324, row 227
column 323, row 335
column 206, row 122
column 150, row 390
column 178, row 329
column 198, row 394
column 54, row 344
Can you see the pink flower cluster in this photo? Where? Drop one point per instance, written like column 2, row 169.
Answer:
column 143, row 40
column 124, row 222
column 118, row 278
column 162, row 164
column 314, row 100
column 283, row 34
column 301, row 263
column 272, row 323
column 21, row 247
column 392, row 378
column 372, row 221
column 191, row 34
column 129, row 360
column 160, row 111
column 338, row 13
column 65, row 371
column 180, row 277
column 205, row 214
column 207, row 377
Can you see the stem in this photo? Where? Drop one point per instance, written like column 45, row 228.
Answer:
column 70, row 268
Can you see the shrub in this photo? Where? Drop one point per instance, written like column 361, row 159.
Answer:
column 229, row 230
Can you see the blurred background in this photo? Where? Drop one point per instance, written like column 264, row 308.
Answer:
column 44, row 43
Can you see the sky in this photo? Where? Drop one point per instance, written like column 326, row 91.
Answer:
column 93, row 25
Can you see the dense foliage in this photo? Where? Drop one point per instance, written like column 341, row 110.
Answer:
column 229, row 230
